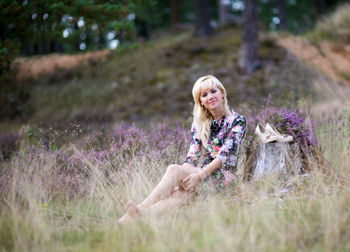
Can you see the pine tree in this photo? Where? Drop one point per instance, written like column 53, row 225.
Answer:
column 249, row 60
column 37, row 26
column 202, row 19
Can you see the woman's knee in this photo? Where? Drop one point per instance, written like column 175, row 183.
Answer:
column 173, row 169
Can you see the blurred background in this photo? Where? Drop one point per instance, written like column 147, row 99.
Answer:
column 97, row 62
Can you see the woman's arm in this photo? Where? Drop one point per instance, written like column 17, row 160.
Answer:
column 194, row 151
column 229, row 149
column 193, row 180
column 210, row 168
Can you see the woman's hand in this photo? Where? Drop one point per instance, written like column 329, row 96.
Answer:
column 191, row 182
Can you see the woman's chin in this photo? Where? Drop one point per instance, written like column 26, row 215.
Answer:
column 214, row 106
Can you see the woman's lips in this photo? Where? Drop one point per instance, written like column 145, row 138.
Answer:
column 211, row 102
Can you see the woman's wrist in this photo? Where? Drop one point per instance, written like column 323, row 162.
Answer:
column 202, row 175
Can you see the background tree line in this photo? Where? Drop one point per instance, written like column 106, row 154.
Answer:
column 34, row 27
column 31, row 27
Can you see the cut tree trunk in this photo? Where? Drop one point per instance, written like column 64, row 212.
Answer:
column 283, row 158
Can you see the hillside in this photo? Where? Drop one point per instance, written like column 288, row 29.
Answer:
column 331, row 59
column 154, row 80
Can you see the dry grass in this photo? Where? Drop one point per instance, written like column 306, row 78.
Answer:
column 35, row 67
column 309, row 212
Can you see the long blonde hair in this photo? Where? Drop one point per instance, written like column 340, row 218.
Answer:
column 202, row 118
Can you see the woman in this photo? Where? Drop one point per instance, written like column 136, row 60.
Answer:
column 216, row 128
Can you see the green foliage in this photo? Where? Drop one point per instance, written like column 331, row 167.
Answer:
column 26, row 23
column 334, row 27
column 146, row 11
column 300, row 14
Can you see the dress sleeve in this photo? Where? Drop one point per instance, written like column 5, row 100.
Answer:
column 229, row 150
column 195, row 148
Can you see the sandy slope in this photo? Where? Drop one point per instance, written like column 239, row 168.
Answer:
column 333, row 60
column 33, row 67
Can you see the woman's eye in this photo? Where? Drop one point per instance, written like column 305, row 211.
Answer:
column 213, row 91
column 204, row 95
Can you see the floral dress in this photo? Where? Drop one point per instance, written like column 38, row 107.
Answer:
column 225, row 137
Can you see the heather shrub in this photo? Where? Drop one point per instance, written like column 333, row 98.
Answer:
column 130, row 141
column 66, row 171
column 259, row 116
column 286, row 121
column 293, row 123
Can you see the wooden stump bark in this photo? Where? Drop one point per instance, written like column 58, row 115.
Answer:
column 281, row 158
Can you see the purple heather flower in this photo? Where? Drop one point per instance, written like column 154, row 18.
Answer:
column 290, row 122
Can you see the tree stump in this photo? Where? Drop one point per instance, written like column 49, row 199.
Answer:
column 282, row 158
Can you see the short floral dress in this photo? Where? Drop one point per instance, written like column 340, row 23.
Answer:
column 224, row 141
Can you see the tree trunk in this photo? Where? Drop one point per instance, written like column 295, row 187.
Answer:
column 319, row 7
column 41, row 47
column 282, row 14
column 174, row 15
column 144, row 29
column 56, row 46
column 322, row 6
column 249, row 60
column 101, row 41
column 223, row 8
column 27, row 48
column 282, row 158
column 202, row 25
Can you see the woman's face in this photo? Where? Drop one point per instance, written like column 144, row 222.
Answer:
column 211, row 98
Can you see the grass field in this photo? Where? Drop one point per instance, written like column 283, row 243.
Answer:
column 69, row 197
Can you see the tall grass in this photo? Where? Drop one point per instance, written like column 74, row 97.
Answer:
column 69, row 198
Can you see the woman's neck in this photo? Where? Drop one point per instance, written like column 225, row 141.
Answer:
column 218, row 113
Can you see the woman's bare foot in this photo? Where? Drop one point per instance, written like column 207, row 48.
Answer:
column 130, row 203
column 132, row 209
column 126, row 218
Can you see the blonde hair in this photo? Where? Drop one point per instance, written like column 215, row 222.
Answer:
column 202, row 118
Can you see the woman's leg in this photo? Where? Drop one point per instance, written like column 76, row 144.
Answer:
column 172, row 177
column 176, row 199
